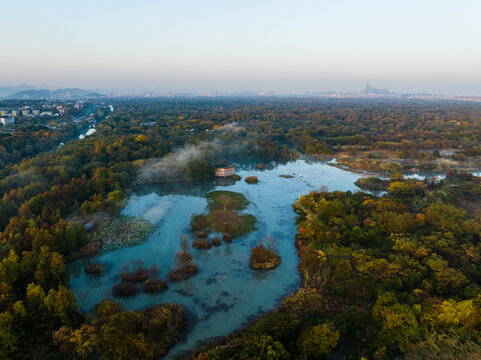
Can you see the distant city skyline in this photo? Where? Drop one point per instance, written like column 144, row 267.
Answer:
column 422, row 46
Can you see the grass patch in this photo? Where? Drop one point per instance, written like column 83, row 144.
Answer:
column 286, row 176
column 225, row 221
column 223, row 216
column 227, row 200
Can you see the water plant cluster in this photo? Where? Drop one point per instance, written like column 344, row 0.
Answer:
column 123, row 231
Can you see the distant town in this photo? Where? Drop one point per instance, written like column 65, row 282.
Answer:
column 46, row 111
column 25, row 92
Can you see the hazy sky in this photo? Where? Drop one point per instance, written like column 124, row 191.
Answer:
column 227, row 45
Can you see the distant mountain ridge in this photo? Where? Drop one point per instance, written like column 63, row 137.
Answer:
column 8, row 90
column 45, row 94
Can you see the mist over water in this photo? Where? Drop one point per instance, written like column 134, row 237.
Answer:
column 226, row 294
column 170, row 167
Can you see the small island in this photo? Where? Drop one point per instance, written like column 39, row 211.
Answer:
column 264, row 257
column 252, row 179
column 223, row 216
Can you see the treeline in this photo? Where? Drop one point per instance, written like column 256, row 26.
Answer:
column 316, row 125
column 40, row 196
column 381, row 277
column 31, row 140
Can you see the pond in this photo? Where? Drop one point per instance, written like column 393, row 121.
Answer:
column 226, row 294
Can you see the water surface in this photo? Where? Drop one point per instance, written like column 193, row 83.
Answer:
column 226, row 294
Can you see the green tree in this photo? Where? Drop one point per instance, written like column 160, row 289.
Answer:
column 318, row 341
column 264, row 347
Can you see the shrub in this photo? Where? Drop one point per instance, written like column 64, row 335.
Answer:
column 184, row 265
column 93, row 269
column 151, row 286
column 216, row 241
column 251, row 180
column 201, row 235
column 183, row 273
column 201, row 244
column 137, row 276
column 124, row 289
column 227, row 238
column 263, row 259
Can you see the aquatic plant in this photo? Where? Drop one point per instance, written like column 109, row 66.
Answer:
column 123, row 231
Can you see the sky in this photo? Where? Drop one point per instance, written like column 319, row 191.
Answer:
column 244, row 45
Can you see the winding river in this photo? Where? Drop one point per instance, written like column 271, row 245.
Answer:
column 226, row 294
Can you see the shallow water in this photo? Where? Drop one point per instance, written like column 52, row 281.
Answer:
column 226, row 294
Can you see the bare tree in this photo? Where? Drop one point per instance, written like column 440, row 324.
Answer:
column 271, row 243
column 183, row 257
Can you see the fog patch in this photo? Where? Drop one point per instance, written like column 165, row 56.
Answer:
column 231, row 127
column 171, row 167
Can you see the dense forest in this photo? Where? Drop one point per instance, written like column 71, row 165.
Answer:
column 381, row 275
